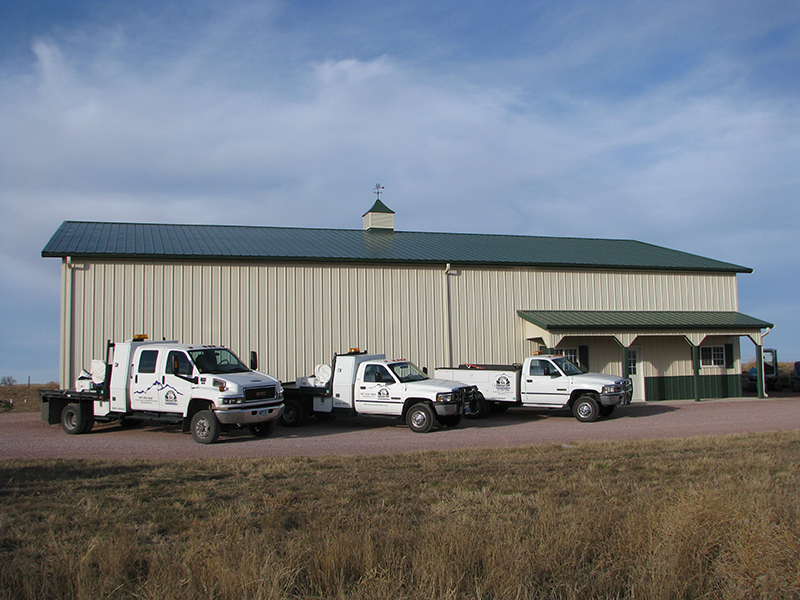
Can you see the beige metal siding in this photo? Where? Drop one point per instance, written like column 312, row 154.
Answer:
column 486, row 328
column 297, row 315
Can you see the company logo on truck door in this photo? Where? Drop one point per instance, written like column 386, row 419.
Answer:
column 383, row 392
column 146, row 395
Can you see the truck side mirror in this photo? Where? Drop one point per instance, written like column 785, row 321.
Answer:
column 425, row 370
column 253, row 360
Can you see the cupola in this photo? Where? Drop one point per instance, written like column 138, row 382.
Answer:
column 379, row 217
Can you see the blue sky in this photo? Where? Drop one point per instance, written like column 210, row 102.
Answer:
column 674, row 123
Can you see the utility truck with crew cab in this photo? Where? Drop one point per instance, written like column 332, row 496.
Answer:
column 358, row 383
column 541, row 381
column 205, row 388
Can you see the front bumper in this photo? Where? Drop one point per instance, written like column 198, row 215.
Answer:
column 249, row 415
column 622, row 398
column 447, row 409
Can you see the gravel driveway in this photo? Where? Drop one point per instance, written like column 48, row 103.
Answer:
column 24, row 435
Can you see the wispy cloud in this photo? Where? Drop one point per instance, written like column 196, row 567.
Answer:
column 676, row 125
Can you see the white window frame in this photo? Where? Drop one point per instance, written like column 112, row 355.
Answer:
column 712, row 357
column 571, row 354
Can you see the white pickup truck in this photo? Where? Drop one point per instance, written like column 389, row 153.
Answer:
column 368, row 384
column 205, row 388
column 542, row 381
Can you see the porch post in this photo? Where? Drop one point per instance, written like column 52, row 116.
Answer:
column 626, row 368
column 696, row 369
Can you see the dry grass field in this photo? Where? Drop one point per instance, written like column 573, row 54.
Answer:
column 23, row 397
column 698, row 518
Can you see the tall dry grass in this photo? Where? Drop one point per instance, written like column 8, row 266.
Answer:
column 701, row 518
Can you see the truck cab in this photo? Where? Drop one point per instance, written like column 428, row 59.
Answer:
column 541, row 381
column 204, row 387
column 358, row 383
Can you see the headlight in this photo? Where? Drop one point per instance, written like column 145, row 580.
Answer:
column 233, row 400
column 279, row 394
column 220, row 384
column 444, row 397
column 611, row 390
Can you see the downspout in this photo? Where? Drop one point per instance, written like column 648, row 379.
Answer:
column 66, row 325
column 761, row 380
column 447, row 319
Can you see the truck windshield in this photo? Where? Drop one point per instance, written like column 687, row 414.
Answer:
column 568, row 367
column 407, row 371
column 216, row 361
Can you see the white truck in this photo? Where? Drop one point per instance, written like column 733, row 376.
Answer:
column 542, row 381
column 207, row 389
column 358, row 383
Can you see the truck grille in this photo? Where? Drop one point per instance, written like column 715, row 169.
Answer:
column 465, row 394
column 256, row 394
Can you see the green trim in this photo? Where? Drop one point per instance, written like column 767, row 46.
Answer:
column 683, row 387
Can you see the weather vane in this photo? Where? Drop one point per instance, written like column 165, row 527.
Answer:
column 378, row 190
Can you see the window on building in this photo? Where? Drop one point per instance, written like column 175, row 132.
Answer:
column 712, row 356
column 571, row 354
column 632, row 362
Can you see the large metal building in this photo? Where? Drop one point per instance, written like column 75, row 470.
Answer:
column 666, row 318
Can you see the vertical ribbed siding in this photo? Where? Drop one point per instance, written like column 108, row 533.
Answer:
column 298, row 315
column 295, row 316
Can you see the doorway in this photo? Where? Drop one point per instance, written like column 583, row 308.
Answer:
column 636, row 372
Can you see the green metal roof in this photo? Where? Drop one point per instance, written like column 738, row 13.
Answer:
column 565, row 320
column 80, row 239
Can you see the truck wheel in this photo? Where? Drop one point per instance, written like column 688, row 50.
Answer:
column 478, row 408
column 262, row 429
column 74, row 422
column 498, row 407
column 450, row 420
column 293, row 414
column 585, row 409
column 606, row 411
column 420, row 418
column 205, row 427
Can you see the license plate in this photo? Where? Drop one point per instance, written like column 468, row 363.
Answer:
column 263, row 412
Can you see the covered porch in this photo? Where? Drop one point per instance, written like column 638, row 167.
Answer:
column 668, row 354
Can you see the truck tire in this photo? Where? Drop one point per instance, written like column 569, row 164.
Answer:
column 478, row 408
column 498, row 407
column 293, row 414
column 585, row 409
column 262, row 429
column 450, row 420
column 606, row 411
column 205, row 427
column 420, row 418
column 74, row 421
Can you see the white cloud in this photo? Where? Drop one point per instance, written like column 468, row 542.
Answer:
column 576, row 128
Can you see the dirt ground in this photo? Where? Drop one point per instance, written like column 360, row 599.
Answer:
column 25, row 435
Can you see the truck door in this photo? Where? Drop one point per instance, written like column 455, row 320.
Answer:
column 378, row 392
column 176, row 388
column 543, row 384
column 144, row 383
